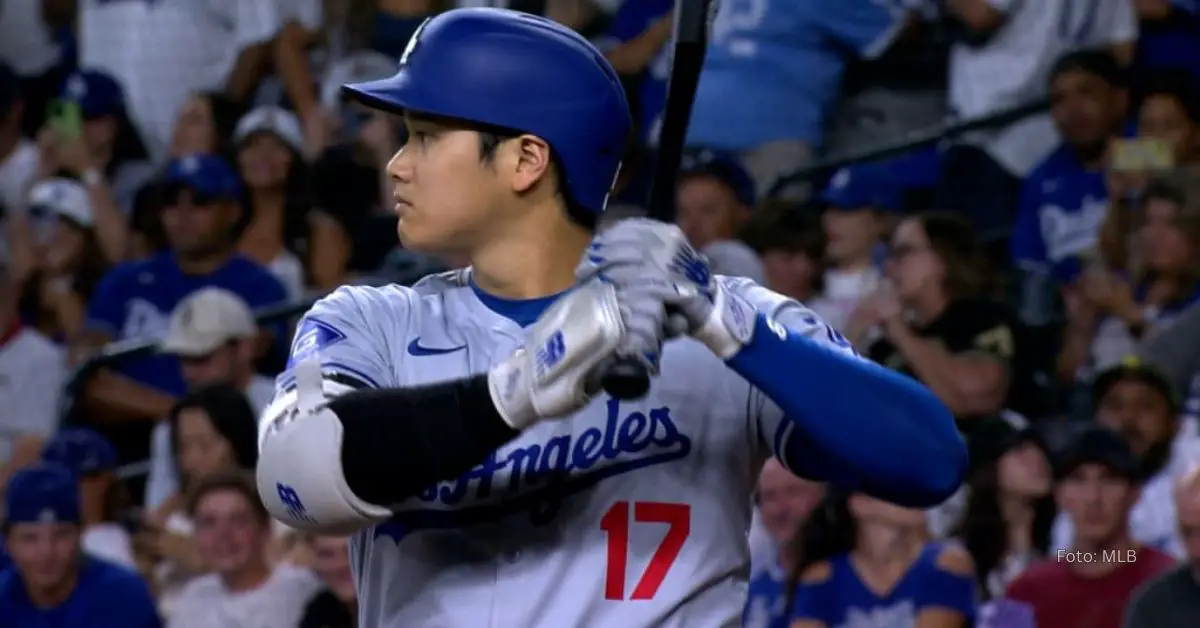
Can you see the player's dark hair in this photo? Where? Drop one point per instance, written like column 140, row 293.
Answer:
column 829, row 531
column 231, row 416
column 952, row 239
column 1175, row 84
column 237, row 481
column 1099, row 63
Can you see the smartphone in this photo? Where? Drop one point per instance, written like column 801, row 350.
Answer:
column 1141, row 155
column 65, row 117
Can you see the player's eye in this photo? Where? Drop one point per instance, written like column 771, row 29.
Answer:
column 420, row 137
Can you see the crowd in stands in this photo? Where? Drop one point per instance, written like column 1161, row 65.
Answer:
column 171, row 169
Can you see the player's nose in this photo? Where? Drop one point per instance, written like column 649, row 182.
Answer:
column 400, row 166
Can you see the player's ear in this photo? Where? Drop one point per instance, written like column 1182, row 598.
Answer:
column 533, row 162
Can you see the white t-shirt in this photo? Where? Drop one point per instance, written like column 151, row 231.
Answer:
column 32, row 374
column 109, row 542
column 278, row 603
column 17, row 173
column 26, row 43
column 286, row 267
column 163, row 480
column 843, row 291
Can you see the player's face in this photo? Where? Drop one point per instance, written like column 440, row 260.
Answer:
column 1024, row 472
column 1166, row 246
column 202, row 450
column 445, row 195
column 229, row 534
column 194, row 133
column 912, row 264
column 1163, row 118
column 851, row 234
column 707, row 210
column 1139, row 413
column 331, row 563
column 1097, row 500
column 785, row 500
column 1085, row 107
column 264, row 161
column 45, row 554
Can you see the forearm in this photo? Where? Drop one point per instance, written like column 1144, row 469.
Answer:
column 250, row 66
column 1076, row 344
column 893, row 432
column 112, row 231
column 115, row 398
column 291, row 62
column 633, row 56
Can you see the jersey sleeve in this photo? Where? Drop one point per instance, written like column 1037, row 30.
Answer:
column 866, row 26
column 346, row 332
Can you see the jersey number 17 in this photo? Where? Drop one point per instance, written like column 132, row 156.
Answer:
column 616, row 524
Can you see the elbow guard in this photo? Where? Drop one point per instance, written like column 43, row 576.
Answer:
column 300, row 477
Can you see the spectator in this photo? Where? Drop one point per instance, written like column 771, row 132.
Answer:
column 859, row 203
column 865, row 560
column 283, row 234
column 32, row 374
column 1114, row 309
column 102, row 500
column 954, row 338
column 792, row 247
column 103, row 150
column 784, row 501
column 636, row 46
column 205, row 125
column 1172, row 600
column 1089, row 584
column 335, row 606
column 164, row 56
column 28, row 46
column 1137, row 401
column 784, row 62
column 18, row 171
column 1064, row 198
column 714, row 198
column 1006, row 526
column 134, row 300
column 213, row 334
column 1169, row 110
column 232, row 533
column 53, row 585
column 69, row 260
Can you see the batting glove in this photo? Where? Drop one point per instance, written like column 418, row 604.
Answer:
column 651, row 257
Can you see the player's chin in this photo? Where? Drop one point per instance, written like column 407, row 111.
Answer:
column 421, row 237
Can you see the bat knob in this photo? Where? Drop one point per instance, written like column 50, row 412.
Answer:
column 626, row 380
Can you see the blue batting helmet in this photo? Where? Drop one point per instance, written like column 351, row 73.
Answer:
column 520, row 72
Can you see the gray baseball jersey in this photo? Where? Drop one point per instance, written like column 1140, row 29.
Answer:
column 628, row 514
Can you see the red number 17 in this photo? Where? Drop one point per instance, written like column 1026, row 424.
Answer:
column 615, row 524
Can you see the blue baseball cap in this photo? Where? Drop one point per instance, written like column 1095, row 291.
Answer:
column 865, row 186
column 97, row 93
column 42, row 493
column 722, row 166
column 210, row 177
column 82, row 450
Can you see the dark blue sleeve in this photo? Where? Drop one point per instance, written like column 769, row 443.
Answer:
column 130, row 604
column 106, row 310
column 633, row 18
column 948, row 590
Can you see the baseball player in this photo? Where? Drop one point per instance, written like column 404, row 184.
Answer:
column 457, row 427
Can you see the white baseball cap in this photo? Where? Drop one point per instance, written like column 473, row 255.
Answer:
column 274, row 120
column 205, row 320
column 66, row 198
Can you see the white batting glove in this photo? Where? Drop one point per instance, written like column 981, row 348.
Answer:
column 568, row 350
column 655, row 257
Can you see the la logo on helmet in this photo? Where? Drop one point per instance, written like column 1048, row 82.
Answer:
column 412, row 43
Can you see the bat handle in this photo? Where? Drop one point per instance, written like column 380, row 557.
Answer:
column 627, row 379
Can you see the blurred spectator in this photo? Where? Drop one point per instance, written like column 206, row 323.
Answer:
column 233, row 530
column 28, row 46
column 205, row 125
column 67, row 255
column 783, row 502
column 1172, row 600
column 1169, row 110
column 1063, row 199
column 1090, row 584
column 335, row 606
column 53, row 585
column 773, row 74
column 935, row 320
column 1112, row 310
column 1010, row 508
column 18, row 171
column 866, row 561
column 32, row 374
column 1003, row 59
column 1170, row 31
column 714, row 198
column 1138, row 402
column 213, row 333
column 102, row 499
column 636, row 46
column 163, row 56
column 134, row 300
column 792, row 247
column 89, row 136
column 859, row 203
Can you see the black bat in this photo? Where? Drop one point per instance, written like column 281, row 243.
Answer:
column 628, row 379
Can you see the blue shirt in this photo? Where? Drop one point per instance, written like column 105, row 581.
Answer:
column 631, row 20
column 774, row 67
column 1175, row 44
column 1062, row 208
column 844, row 601
column 106, row 596
column 135, row 299
column 766, row 600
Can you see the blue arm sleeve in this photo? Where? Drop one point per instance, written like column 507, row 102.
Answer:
column 852, row 422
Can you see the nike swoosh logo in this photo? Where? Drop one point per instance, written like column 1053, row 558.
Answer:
column 415, row 348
